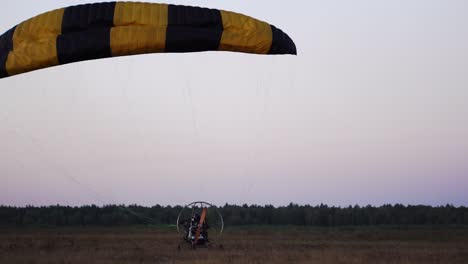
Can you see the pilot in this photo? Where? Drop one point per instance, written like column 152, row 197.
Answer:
column 196, row 218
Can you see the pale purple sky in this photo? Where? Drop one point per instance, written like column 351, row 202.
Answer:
column 373, row 110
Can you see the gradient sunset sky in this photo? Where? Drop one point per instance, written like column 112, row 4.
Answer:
column 373, row 110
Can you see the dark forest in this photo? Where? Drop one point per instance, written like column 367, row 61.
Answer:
column 234, row 215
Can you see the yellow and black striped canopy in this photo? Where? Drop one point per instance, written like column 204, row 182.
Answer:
column 101, row 30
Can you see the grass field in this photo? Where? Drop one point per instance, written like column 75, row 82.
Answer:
column 241, row 245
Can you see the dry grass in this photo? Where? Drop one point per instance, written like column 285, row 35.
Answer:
column 253, row 245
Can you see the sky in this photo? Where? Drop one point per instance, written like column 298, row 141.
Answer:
column 373, row 110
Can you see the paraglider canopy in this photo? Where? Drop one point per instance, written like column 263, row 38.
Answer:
column 102, row 30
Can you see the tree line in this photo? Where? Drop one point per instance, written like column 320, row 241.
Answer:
column 235, row 215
